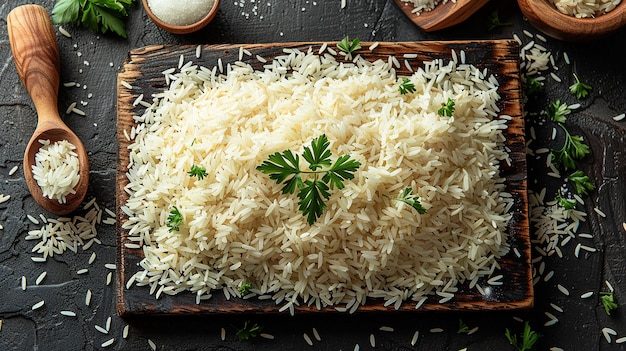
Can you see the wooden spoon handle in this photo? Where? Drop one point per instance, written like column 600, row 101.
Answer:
column 36, row 57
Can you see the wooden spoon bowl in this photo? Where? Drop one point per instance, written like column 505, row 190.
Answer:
column 194, row 27
column 545, row 17
column 36, row 56
column 443, row 15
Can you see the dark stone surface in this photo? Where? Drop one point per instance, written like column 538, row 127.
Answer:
column 599, row 64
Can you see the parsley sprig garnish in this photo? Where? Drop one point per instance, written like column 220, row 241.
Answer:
column 579, row 89
column 349, row 46
column 244, row 288
column 528, row 338
column 574, row 147
column 198, row 172
column 248, row 331
column 582, row 184
column 608, row 301
column 566, row 203
column 97, row 15
column 411, row 200
column 463, row 328
column 324, row 175
column 175, row 219
column 447, row 109
column 494, row 21
column 406, row 86
column 532, row 86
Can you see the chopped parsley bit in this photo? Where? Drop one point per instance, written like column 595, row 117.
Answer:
column 97, row 15
column 573, row 149
column 193, row 141
column 447, row 109
column 244, row 288
column 198, row 172
column 406, row 86
column 463, row 328
column 532, row 86
column 528, row 338
column 579, row 89
column 411, row 200
column 285, row 168
column 494, row 21
column 557, row 111
column 348, row 46
column 582, row 183
column 608, row 301
column 248, row 331
column 175, row 219
column 567, row 204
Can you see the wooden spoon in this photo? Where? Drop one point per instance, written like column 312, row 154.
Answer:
column 443, row 15
column 36, row 57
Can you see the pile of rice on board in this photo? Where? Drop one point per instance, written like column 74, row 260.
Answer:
column 236, row 228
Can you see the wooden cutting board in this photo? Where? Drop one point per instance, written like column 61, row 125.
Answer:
column 501, row 58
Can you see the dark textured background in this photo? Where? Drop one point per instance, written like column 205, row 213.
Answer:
column 579, row 328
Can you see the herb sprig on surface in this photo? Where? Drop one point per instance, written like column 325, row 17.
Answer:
column 447, row 109
column 582, row 184
column 175, row 219
column 411, row 200
column 579, row 89
column 608, row 301
column 248, row 331
column 494, row 21
column 574, row 147
column 324, row 175
column 463, row 328
column 558, row 111
column 567, row 204
column 406, row 86
column 526, row 342
column 349, row 46
column 97, row 15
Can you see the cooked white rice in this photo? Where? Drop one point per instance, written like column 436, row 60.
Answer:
column 238, row 227
column 585, row 8
column 56, row 169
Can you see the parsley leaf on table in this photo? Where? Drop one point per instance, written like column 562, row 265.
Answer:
column 463, row 328
column 97, row 15
column 582, row 183
column 532, row 86
column 285, row 168
column 579, row 89
column 349, row 46
column 494, row 21
column 406, row 86
column 608, row 301
column 248, row 331
column 567, row 204
column 574, row 148
column 557, row 111
column 528, row 338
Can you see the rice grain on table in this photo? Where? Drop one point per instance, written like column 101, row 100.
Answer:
column 38, row 305
column 237, row 209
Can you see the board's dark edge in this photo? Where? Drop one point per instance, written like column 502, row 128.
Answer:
column 143, row 71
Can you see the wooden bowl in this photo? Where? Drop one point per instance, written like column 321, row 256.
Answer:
column 545, row 17
column 182, row 29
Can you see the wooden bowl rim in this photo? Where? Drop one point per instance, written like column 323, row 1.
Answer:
column 182, row 29
column 572, row 26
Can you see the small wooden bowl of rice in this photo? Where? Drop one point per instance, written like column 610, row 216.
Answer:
column 182, row 17
column 575, row 22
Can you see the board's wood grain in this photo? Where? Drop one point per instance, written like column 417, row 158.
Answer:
column 143, row 72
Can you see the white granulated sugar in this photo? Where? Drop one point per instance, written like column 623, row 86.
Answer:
column 585, row 8
column 420, row 6
column 239, row 119
column 181, row 13
column 56, row 169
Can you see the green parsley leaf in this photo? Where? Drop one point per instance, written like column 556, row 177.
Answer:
column 411, row 200
column 574, row 148
column 248, row 331
column 285, row 168
column 558, row 111
column 406, row 86
column 608, row 301
column 348, row 46
column 528, row 338
column 579, row 89
column 244, row 288
column 175, row 219
column 567, row 204
column 97, row 15
column 532, row 86
column 198, row 172
column 582, row 183
column 494, row 21
column 447, row 109
column 463, row 328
